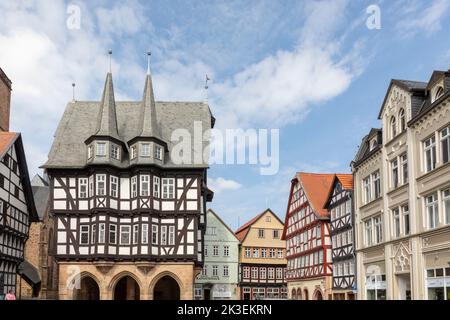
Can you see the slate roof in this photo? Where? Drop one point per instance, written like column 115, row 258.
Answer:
column 80, row 121
column 364, row 151
column 41, row 197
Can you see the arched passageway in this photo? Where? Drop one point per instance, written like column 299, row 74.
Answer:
column 88, row 290
column 299, row 294
column 294, row 294
column 318, row 295
column 127, row 289
column 166, row 288
column 305, row 294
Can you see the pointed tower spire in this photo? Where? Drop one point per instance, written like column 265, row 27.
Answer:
column 149, row 123
column 107, row 121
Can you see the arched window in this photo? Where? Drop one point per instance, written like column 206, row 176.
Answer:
column 393, row 127
column 439, row 93
column 402, row 119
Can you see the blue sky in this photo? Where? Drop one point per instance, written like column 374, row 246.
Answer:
column 310, row 68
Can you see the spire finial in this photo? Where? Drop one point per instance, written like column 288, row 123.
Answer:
column 73, row 91
column 110, row 58
column 206, row 88
column 149, row 53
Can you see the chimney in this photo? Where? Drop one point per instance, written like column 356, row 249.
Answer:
column 5, row 101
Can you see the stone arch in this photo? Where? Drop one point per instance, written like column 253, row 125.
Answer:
column 299, row 294
column 294, row 294
column 86, row 286
column 125, row 286
column 305, row 294
column 159, row 277
column 318, row 295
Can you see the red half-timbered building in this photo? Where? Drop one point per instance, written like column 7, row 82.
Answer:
column 307, row 234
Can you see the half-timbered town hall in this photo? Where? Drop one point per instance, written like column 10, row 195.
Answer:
column 129, row 217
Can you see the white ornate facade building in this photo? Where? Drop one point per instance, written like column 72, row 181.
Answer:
column 402, row 195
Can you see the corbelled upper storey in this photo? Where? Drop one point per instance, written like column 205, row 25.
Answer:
column 126, row 133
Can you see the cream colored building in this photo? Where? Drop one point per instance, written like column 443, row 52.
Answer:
column 402, row 195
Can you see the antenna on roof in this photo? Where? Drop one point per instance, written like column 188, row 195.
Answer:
column 73, row 91
column 110, row 58
column 149, row 53
column 206, row 88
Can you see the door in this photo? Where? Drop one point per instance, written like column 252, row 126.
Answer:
column 207, row 294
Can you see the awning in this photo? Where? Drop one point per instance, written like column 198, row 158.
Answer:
column 30, row 274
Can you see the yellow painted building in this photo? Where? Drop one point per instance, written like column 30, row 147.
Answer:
column 262, row 258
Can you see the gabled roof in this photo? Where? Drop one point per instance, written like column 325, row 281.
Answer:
column 222, row 222
column 7, row 139
column 415, row 87
column 346, row 181
column 242, row 232
column 317, row 187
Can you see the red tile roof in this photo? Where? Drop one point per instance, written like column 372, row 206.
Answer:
column 346, row 180
column 317, row 188
column 6, row 140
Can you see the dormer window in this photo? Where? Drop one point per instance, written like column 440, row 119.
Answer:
column 402, row 117
column 439, row 93
column 373, row 144
column 101, row 149
column 115, row 152
column 158, row 152
column 133, row 152
column 393, row 127
column 145, row 150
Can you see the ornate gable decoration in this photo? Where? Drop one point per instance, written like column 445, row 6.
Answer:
column 402, row 257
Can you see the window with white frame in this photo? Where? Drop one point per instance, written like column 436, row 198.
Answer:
column 276, row 234
column 90, row 153
column 368, row 232
column 262, row 272
column 145, row 185
column 393, row 127
column 84, row 234
column 101, row 149
column 101, row 183
column 215, row 251
column 268, row 218
column 263, row 253
column 396, row 220
column 205, row 270
column 255, row 253
column 82, row 188
column 406, row 221
column 205, row 250
column 91, row 186
column 135, row 233
column 367, row 190
column 171, row 235
column 394, row 173
column 376, row 184
column 402, row 119
column 214, row 270
column 101, row 233
column 112, row 235
column 279, row 273
column 271, row 273
column 114, row 186
column 446, row 200
column 168, row 187
column 246, row 272
column 158, row 152
column 445, row 144
column 254, row 272
column 115, row 152
column 280, row 254
column 156, row 187
column 133, row 187
column 144, row 148
column 429, row 148
column 226, row 251
column 155, row 234
column 144, row 233
column 248, row 252
column 378, row 223
column 271, row 253
column 163, row 235
column 404, row 167
column 226, row 271
column 260, row 233
column 125, row 234
column 348, row 206
column 432, row 209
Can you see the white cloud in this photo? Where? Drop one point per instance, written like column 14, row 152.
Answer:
column 221, row 184
column 423, row 19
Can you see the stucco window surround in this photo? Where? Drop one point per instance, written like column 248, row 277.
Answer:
column 436, row 208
